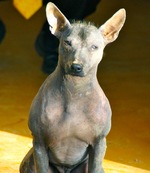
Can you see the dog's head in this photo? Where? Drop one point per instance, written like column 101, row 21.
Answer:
column 81, row 44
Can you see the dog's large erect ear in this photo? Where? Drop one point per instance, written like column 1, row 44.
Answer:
column 111, row 28
column 57, row 21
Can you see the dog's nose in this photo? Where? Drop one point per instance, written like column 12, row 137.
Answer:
column 76, row 68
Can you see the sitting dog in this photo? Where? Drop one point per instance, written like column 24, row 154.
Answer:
column 70, row 116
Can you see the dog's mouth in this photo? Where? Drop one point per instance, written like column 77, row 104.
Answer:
column 73, row 73
column 81, row 74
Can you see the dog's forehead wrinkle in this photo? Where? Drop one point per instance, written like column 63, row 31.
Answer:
column 83, row 32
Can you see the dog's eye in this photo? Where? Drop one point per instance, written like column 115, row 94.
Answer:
column 94, row 47
column 67, row 42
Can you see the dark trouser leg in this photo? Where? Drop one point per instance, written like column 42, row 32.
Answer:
column 47, row 47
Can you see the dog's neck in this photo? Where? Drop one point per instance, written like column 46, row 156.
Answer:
column 76, row 85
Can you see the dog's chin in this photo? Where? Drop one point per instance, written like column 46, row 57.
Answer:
column 81, row 74
column 77, row 74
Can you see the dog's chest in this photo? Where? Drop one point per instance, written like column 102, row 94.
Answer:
column 70, row 129
column 70, row 125
column 79, row 119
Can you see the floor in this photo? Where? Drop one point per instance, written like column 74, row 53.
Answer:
column 124, row 75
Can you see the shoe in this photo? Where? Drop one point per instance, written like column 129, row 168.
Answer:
column 50, row 63
column 2, row 31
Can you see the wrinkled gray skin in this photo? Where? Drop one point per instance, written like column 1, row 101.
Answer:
column 70, row 115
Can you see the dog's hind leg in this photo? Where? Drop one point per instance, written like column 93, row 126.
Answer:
column 27, row 165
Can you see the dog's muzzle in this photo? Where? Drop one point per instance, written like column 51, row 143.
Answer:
column 76, row 70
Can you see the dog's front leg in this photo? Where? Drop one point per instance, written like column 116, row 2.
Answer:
column 96, row 156
column 40, row 157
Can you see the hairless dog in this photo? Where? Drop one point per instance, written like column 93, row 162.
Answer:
column 70, row 116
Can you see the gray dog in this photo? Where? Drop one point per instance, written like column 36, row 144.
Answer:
column 70, row 115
